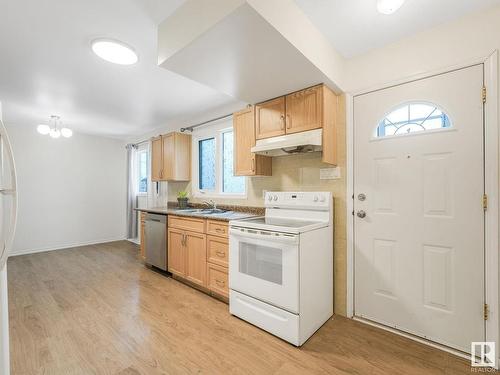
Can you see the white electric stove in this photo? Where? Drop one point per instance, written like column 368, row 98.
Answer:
column 281, row 265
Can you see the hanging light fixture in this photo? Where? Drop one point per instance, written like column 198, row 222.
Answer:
column 55, row 131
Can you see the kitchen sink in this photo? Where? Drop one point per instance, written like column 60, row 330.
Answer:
column 203, row 211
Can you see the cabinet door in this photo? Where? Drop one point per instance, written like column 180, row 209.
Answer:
column 218, row 279
column 156, row 159
column 196, row 258
column 270, row 118
column 176, row 252
column 304, row 110
column 244, row 140
column 182, row 167
column 168, row 156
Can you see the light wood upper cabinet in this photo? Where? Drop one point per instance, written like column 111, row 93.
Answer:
column 176, row 252
column 196, row 258
column 171, row 157
column 156, row 159
column 316, row 107
column 198, row 251
column 270, row 118
column 304, row 110
column 247, row 163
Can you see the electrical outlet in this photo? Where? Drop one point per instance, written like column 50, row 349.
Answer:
column 329, row 173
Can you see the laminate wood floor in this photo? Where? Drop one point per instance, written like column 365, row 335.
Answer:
column 98, row 310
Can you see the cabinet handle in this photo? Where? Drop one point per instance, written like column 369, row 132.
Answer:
column 220, row 253
column 288, row 122
column 219, row 282
column 253, row 164
column 282, row 119
column 220, row 230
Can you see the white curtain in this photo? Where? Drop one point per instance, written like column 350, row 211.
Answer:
column 131, row 191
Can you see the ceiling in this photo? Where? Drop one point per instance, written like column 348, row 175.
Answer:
column 355, row 27
column 47, row 67
column 244, row 57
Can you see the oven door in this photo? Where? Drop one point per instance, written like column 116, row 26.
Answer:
column 265, row 265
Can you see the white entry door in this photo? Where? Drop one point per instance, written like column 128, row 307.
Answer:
column 418, row 207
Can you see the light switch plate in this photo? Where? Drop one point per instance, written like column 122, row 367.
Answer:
column 329, row 173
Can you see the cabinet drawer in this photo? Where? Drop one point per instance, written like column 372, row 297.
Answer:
column 217, row 228
column 218, row 250
column 218, row 279
column 186, row 223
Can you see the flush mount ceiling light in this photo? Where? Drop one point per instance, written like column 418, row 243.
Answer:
column 55, row 131
column 114, row 51
column 389, row 6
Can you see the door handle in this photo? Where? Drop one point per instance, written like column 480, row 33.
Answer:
column 361, row 214
column 282, row 119
column 253, row 164
column 288, row 122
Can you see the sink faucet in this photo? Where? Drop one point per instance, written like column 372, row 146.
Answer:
column 211, row 204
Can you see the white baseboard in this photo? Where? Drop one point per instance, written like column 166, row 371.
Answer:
column 134, row 240
column 65, row 246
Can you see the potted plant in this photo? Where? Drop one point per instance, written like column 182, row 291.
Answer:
column 182, row 199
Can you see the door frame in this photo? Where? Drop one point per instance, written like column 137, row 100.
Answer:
column 491, row 166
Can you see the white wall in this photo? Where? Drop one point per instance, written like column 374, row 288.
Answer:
column 71, row 191
column 470, row 37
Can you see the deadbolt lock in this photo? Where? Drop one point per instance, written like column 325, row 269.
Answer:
column 361, row 197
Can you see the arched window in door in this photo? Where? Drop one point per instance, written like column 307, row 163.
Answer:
column 411, row 118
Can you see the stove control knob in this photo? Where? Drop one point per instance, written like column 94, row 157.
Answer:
column 322, row 198
column 315, row 199
column 275, row 197
column 269, row 197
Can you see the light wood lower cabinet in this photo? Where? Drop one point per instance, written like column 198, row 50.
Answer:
column 198, row 252
column 217, row 228
column 187, row 255
column 176, row 252
column 218, row 280
column 196, row 258
column 218, row 250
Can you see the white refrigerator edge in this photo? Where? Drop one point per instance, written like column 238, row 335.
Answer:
column 8, row 216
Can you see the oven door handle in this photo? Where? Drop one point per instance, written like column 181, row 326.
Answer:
column 264, row 235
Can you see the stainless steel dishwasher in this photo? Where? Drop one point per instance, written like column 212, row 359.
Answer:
column 156, row 240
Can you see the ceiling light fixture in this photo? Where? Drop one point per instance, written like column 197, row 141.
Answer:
column 114, row 51
column 389, row 6
column 54, row 131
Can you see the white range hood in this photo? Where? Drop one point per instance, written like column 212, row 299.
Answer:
column 308, row 141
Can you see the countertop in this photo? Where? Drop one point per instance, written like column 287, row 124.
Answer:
column 227, row 216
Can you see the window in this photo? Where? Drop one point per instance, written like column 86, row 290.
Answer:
column 411, row 118
column 206, row 164
column 142, row 171
column 213, row 163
